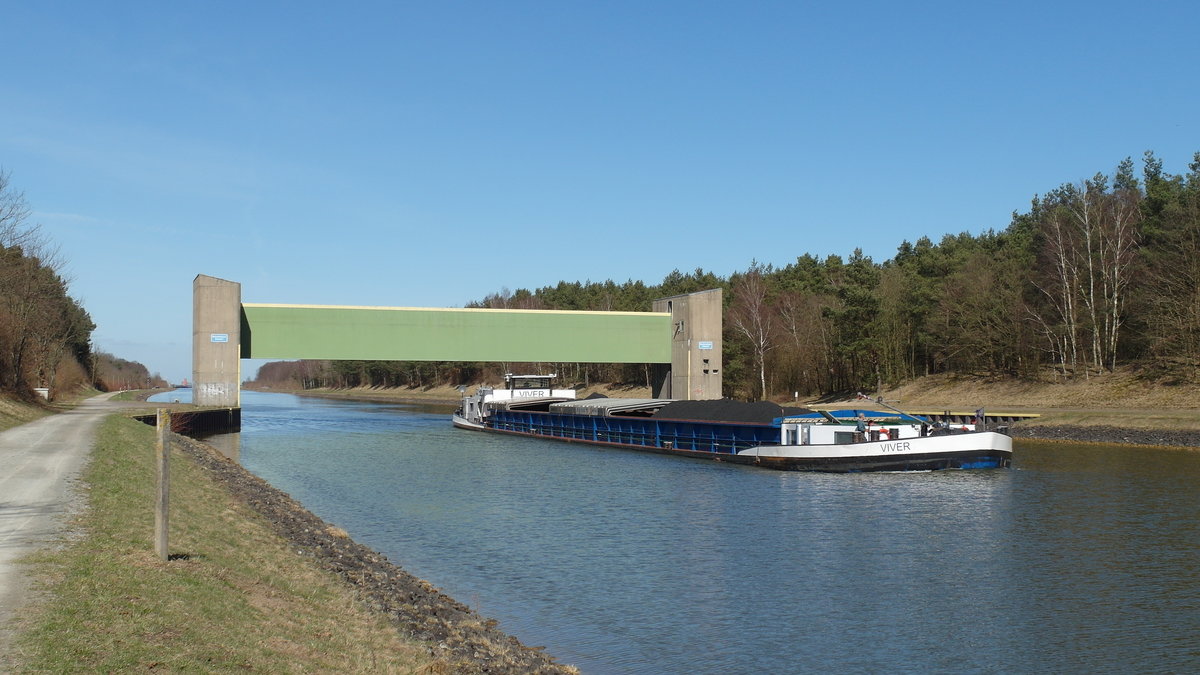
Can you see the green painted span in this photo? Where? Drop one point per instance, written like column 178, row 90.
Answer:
column 411, row 334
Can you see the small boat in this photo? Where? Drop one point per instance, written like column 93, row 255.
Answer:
column 761, row 434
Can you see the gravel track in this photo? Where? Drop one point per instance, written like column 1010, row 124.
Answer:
column 1107, row 434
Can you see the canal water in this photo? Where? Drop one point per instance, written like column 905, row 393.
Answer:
column 1079, row 558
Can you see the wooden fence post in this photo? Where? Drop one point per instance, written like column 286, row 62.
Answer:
column 162, row 456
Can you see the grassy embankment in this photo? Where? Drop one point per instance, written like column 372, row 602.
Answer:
column 234, row 597
column 14, row 413
column 1120, row 399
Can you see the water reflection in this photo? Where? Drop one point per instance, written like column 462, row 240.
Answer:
column 621, row 562
column 229, row 445
column 1109, row 554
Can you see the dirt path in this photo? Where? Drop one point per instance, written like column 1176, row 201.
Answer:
column 39, row 464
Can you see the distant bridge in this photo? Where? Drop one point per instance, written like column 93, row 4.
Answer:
column 682, row 335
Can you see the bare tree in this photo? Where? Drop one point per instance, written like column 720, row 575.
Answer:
column 1089, row 246
column 14, row 211
column 1117, row 251
column 751, row 316
column 809, row 340
column 38, row 321
column 1059, row 286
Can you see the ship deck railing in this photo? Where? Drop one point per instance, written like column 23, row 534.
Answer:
column 692, row 435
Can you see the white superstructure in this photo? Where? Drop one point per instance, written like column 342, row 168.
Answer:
column 516, row 388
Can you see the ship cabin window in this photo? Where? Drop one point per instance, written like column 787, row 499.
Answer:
column 796, row 434
column 529, row 381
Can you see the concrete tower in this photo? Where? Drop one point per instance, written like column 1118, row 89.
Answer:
column 216, row 342
column 696, row 325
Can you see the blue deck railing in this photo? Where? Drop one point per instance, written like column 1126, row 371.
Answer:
column 717, row 437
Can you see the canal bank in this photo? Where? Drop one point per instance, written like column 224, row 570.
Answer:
column 1161, row 438
column 576, row 461
column 626, row 562
column 456, row 634
column 254, row 582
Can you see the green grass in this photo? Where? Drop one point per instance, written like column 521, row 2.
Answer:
column 233, row 598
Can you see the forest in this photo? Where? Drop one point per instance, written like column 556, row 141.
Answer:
column 1094, row 275
column 45, row 334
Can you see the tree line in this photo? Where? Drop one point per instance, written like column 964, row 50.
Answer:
column 113, row 373
column 45, row 334
column 1096, row 274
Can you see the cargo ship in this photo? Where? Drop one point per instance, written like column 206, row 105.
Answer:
column 762, row 434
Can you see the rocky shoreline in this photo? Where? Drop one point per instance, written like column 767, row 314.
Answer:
column 1109, row 434
column 460, row 639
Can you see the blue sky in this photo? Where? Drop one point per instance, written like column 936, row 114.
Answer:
column 428, row 154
